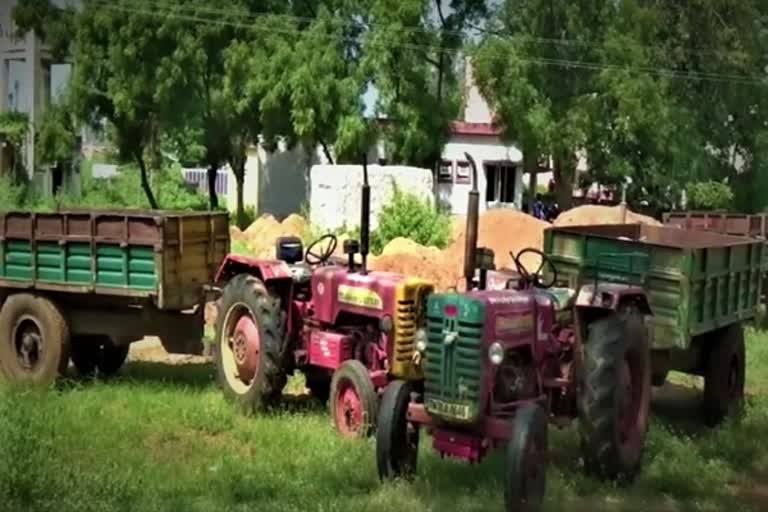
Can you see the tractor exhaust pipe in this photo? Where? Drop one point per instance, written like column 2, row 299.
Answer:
column 365, row 217
column 473, row 220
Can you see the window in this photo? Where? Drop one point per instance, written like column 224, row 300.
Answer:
column 445, row 173
column 500, row 186
column 463, row 174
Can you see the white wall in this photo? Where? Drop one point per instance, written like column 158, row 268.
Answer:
column 483, row 149
column 336, row 191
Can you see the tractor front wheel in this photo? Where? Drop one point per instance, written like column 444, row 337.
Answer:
column 526, row 473
column 250, row 331
column 614, row 396
column 397, row 439
column 353, row 402
column 724, row 375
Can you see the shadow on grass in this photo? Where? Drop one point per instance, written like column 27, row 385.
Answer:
column 194, row 375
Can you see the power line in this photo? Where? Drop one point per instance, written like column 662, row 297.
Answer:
column 565, row 42
column 561, row 63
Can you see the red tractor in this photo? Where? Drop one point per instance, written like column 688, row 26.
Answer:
column 500, row 364
column 350, row 331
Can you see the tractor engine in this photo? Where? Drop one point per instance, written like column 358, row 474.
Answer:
column 369, row 317
column 480, row 351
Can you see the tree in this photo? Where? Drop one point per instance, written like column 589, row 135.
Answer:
column 539, row 100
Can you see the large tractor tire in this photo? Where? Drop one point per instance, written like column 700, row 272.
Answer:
column 90, row 353
column 250, row 337
column 526, row 471
column 353, row 402
column 34, row 340
column 724, row 375
column 397, row 439
column 614, row 396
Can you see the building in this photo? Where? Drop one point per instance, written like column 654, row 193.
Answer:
column 29, row 81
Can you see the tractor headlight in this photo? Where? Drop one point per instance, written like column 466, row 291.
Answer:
column 496, row 353
column 421, row 340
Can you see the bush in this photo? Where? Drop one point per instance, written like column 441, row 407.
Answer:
column 409, row 216
column 709, row 195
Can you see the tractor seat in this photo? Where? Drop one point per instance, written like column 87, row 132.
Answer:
column 562, row 298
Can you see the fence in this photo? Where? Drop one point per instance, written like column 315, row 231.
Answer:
column 199, row 178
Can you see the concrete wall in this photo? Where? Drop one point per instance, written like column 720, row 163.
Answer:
column 483, row 149
column 335, row 194
column 283, row 187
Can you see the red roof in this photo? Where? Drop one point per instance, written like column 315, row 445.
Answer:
column 481, row 129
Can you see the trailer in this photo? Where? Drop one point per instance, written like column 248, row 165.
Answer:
column 700, row 286
column 85, row 284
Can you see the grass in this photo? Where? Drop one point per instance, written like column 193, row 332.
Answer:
column 161, row 437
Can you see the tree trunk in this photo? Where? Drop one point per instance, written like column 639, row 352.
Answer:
column 564, row 169
column 240, row 182
column 145, row 185
column 327, row 152
column 213, row 171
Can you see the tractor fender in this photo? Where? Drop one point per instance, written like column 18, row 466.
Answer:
column 610, row 296
column 266, row 270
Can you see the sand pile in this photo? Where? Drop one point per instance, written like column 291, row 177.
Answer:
column 502, row 231
column 261, row 235
column 594, row 214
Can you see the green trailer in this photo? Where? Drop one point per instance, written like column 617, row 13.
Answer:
column 85, row 284
column 700, row 286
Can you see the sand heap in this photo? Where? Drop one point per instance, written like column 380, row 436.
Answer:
column 404, row 256
column 261, row 235
column 594, row 214
column 503, row 231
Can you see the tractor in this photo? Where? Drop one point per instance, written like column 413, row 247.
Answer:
column 348, row 329
column 501, row 364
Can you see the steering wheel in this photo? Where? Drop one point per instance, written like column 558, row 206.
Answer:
column 313, row 258
column 534, row 278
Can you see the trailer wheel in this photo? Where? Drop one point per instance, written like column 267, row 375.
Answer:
column 90, row 353
column 614, row 396
column 85, row 355
column 250, row 331
column 353, row 401
column 526, row 471
column 111, row 357
column 724, row 375
column 34, row 340
column 397, row 439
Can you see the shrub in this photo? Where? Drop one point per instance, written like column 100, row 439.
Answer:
column 409, row 216
column 709, row 195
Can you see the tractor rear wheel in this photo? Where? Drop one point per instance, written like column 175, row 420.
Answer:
column 34, row 340
column 526, row 472
column 353, row 402
column 614, row 396
column 724, row 375
column 397, row 439
column 250, row 333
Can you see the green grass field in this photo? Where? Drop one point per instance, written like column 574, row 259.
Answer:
column 161, row 437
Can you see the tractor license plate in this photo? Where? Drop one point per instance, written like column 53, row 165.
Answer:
column 449, row 409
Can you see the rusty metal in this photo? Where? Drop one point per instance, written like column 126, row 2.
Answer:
column 473, row 220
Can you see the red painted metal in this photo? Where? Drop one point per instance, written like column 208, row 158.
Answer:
column 329, row 349
column 266, row 270
column 480, row 129
column 246, row 346
column 348, row 409
column 459, row 445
